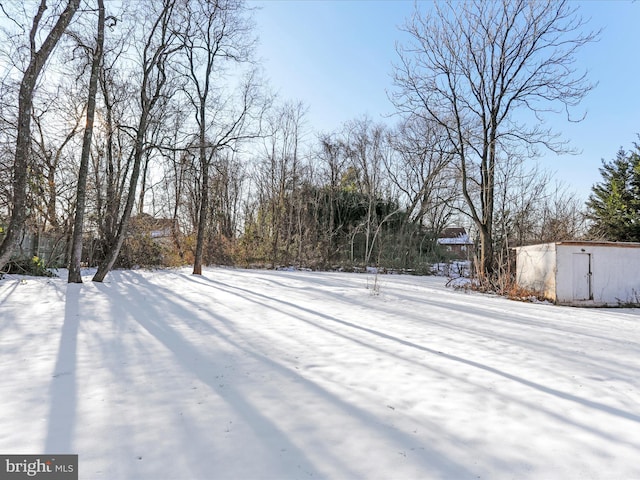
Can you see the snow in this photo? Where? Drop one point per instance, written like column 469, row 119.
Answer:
column 462, row 239
column 242, row 374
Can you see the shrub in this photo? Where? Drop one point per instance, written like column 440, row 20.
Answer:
column 29, row 266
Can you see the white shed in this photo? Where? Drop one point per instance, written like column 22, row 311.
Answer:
column 581, row 273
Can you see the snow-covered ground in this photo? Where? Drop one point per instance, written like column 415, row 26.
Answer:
column 279, row 375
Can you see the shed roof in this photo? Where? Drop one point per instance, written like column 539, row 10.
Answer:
column 589, row 243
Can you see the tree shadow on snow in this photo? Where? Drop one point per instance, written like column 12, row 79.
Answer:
column 542, row 388
column 160, row 302
column 63, row 388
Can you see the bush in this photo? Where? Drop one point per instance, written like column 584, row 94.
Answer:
column 29, row 266
column 140, row 251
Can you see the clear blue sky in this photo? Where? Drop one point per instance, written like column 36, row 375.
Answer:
column 336, row 56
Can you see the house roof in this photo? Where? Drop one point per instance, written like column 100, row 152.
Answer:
column 452, row 232
column 454, row 236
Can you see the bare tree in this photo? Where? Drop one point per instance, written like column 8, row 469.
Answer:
column 474, row 66
column 521, row 192
column 38, row 56
column 157, row 51
column 96, row 59
column 50, row 141
column 56, row 118
column 421, row 168
column 278, row 176
column 177, row 176
column 366, row 148
column 563, row 217
column 332, row 160
column 217, row 37
column 113, row 146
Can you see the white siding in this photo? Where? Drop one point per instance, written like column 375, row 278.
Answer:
column 536, row 269
column 581, row 273
column 615, row 277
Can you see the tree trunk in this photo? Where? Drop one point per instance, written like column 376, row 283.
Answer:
column 154, row 78
column 23, row 141
column 143, row 185
column 53, row 199
column 485, row 258
column 76, row 248
column 114, row 250
column 204, row 205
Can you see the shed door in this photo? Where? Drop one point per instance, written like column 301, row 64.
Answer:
column 582, row 276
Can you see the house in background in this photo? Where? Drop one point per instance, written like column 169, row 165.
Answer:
column 581, row 273
column 163, row 228
column 456, row 242
column 158, row 229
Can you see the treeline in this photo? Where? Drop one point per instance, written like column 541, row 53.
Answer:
column 151, row 138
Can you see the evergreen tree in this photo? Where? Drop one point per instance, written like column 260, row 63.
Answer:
column 614, row 204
